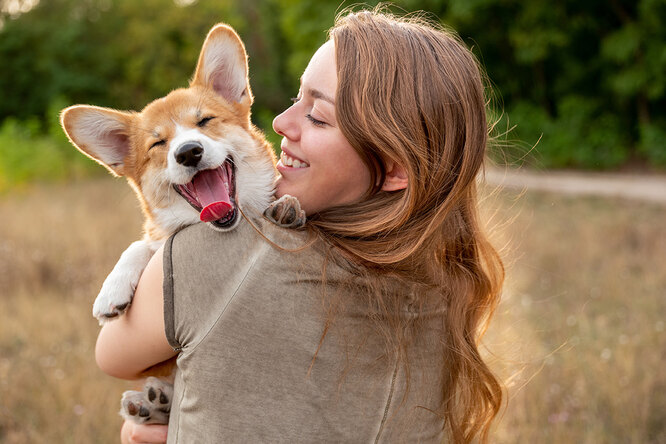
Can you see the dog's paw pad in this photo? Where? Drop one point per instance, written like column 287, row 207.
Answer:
column 158, row 392
column 133, row 407
column 286, row 212
column 150, row 406
column 144, row 412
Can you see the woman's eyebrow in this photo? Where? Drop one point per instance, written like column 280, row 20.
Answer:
column 315, row 93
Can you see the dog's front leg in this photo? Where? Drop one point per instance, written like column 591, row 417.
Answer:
column 118, row 288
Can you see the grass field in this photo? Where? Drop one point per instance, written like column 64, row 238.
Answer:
column 579, row 335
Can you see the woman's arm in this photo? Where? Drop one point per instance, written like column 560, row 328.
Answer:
column 136, row 340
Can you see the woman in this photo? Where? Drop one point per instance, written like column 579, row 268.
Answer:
column 365, row 326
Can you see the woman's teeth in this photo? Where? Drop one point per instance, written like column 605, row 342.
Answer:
column 294, row 163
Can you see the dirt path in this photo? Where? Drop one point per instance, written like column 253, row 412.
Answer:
column 646, row 187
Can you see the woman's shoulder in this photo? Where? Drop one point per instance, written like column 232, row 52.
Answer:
column 250, row 234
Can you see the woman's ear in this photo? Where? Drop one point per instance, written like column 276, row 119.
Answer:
column 396, row 177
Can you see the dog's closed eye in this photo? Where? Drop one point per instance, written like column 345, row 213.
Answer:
column 158, row 143
column 201, row 123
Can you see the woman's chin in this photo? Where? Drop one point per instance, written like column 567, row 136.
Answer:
column 282, row 188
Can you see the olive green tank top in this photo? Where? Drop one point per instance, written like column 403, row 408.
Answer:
column 247, row 319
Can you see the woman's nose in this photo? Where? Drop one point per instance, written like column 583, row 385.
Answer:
column 285, row 125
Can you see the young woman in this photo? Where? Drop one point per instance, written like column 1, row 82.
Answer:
column 365, row 326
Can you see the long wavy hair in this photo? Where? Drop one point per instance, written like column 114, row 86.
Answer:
column 411, row 92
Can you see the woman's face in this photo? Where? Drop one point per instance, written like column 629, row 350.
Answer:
column 317, row 165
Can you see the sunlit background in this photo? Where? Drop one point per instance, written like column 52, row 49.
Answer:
column 579, row 336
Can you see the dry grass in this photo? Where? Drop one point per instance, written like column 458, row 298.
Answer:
column 580, row 330
column 579, row 334
column 56, row 245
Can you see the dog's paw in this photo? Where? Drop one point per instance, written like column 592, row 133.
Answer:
column 286, row 212
column 118, row 289
column 150, row 406
column 113, row 299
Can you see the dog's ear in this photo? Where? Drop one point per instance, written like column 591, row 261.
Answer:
column 100, row 133
column 223, row 66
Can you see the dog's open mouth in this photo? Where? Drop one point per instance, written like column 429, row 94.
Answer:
column 213, row 194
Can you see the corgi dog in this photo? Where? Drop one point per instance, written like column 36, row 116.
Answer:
column 191, row 156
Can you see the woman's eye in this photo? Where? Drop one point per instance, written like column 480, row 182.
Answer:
column 295, row 99
column 158, row 143
column 314, row 121
column 201, row 123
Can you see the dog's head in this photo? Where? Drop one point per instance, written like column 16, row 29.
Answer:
column 192, row 155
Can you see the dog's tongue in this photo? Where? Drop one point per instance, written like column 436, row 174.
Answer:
column 213, row 194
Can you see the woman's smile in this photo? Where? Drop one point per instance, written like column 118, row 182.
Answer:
column 288, row 160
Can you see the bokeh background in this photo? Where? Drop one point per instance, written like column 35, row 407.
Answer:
column 579, row 336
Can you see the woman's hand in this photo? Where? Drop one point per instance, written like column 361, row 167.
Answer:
column 132, row 433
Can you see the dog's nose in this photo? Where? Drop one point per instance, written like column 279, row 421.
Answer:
column 189, row 154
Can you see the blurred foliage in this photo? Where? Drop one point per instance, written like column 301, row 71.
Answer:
column 585, row 79
column 36, row 151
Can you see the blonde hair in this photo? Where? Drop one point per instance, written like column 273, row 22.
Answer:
column 411, row 92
